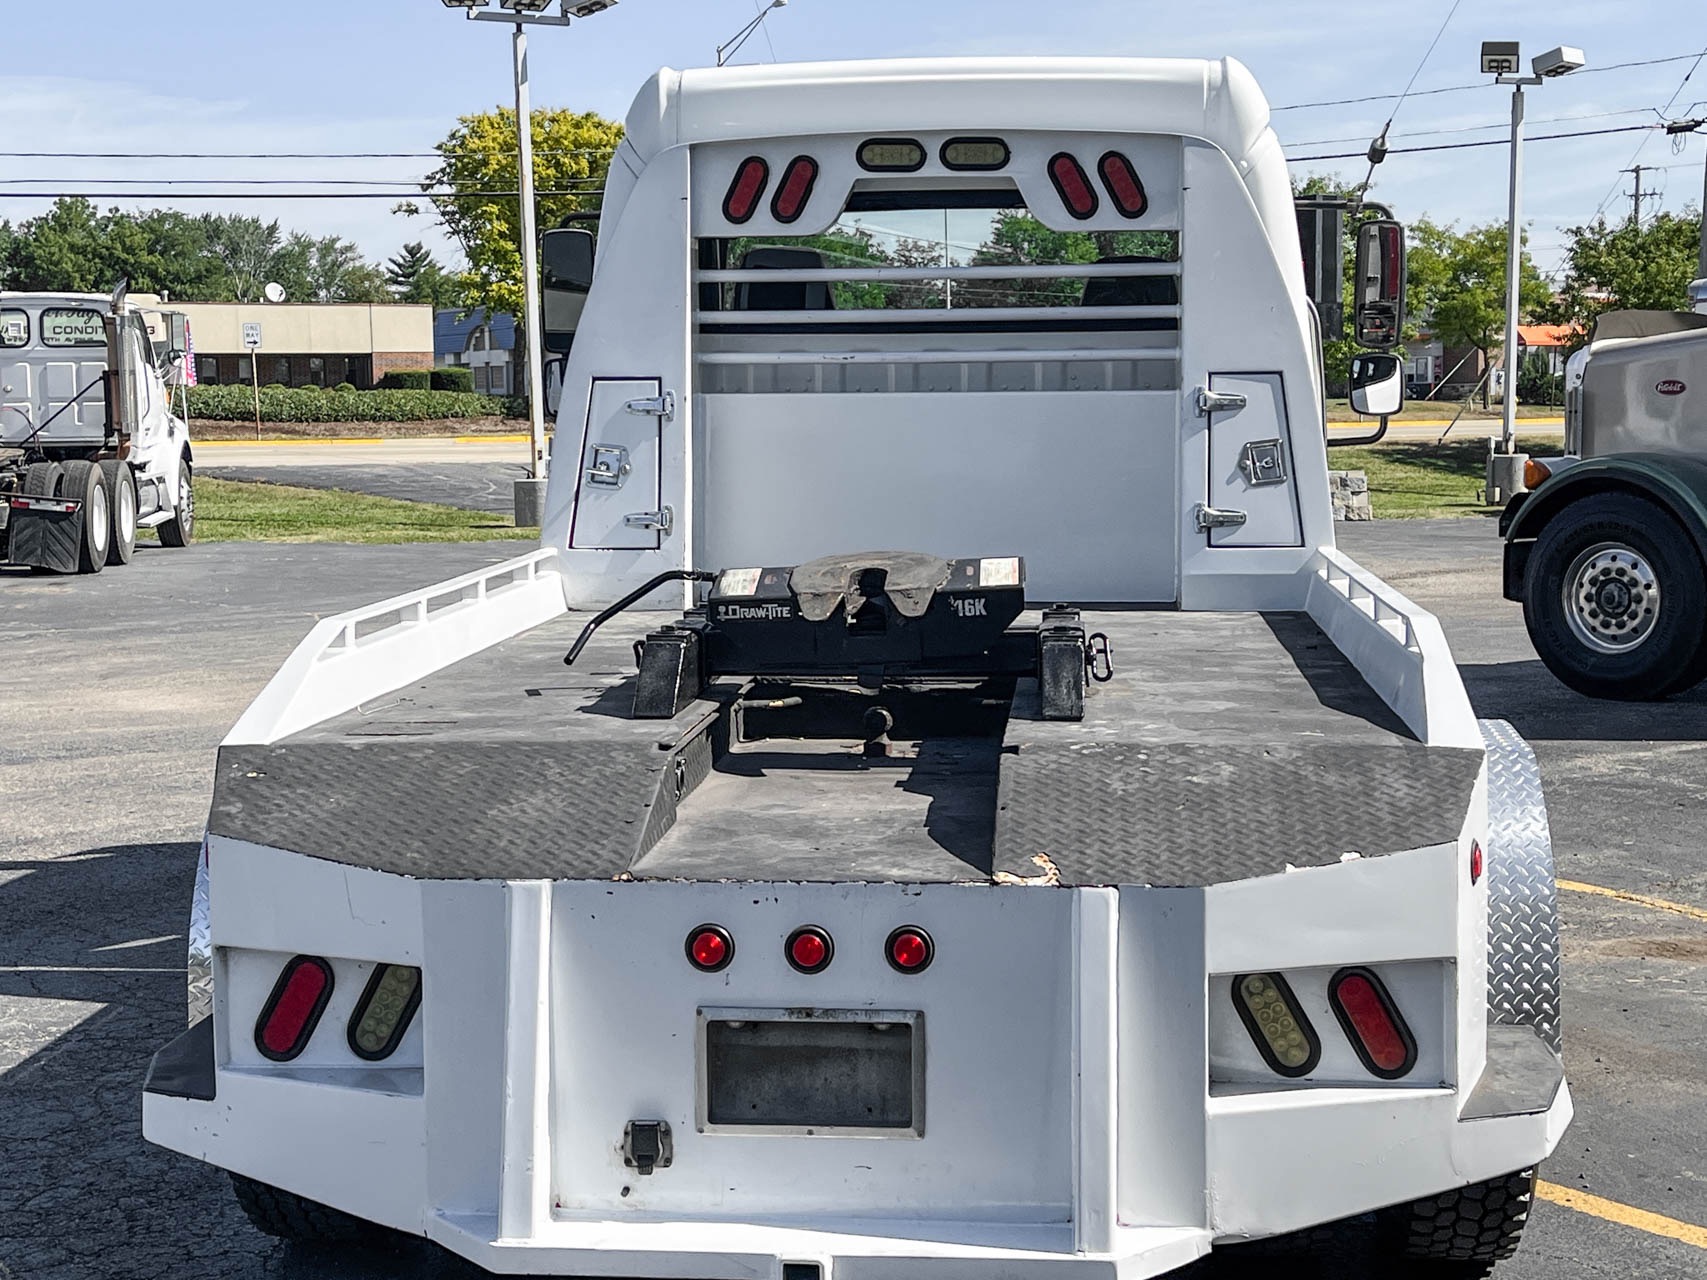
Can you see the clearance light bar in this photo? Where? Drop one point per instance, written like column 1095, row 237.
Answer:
column 382, row 1015
column 1372, row 1023
column 795, row 189
column 1124, row 186
column 1073, row 186
column 890, row 155
column 293, row 1009
column 745, row 189
column 1277, row 1025
column 974, row 155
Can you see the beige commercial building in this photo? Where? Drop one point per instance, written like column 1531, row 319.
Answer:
column 309, row 344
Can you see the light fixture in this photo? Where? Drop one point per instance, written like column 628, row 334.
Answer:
column 466, row 4
column 587, row 8
column 1559, row 62
column 525, row 6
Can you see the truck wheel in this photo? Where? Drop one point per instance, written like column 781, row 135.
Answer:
column 85, row 482
column 121, row 485
column 291, row 1217
column 178, row 531
column 1459, row 1235
column 1615, row 599
column 41, row 480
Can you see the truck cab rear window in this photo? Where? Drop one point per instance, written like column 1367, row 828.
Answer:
column 72, row 327
column 14, row 328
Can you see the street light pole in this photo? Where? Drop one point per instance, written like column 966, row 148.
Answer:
column 530, row 263
column 1513, row 260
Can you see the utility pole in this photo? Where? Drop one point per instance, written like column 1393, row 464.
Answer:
column 1638, row 195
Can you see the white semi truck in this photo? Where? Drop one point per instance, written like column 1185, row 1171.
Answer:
column 90, row 448
column 1116, row 873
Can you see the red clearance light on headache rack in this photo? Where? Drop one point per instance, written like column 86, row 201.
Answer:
column 1475, row 861
column 1124, row 186
column 810, row 949
column 795, row 189
column 1073, row 186
column 293, row 1009
column 745, row 189
column 1372, row 1023
column 909, row 949
column 710, row 948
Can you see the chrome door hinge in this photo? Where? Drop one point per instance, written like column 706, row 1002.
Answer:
column 662, row 520
column 1209, row 402
column 1217, row 518
column 663, row 406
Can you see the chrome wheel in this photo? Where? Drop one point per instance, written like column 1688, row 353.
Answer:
column 125, row 513
column 1612, row 598
column 96, row 522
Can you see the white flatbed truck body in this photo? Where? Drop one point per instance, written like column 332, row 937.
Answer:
column 1044, row 1025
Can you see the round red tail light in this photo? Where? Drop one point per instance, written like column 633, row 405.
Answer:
column 710, row 948
column 909, row 949
column 1475, row 861
column 810, row 949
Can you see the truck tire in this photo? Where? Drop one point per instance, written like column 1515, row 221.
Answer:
column 121, row 487
column 1615, row 599
column 1458, row 1235
column 178, row 531
column 291, row 1217
column 41, row 480
column 85, row 482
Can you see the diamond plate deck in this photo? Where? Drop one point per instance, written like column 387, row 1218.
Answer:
column 1523, row 900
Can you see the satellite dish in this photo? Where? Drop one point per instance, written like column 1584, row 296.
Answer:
column 274, row 292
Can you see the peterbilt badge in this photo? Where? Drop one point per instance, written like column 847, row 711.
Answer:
column 1670, row 387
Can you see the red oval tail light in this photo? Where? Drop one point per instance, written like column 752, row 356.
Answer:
column 1073, row 186
column 745, row 189
column 293, row 1009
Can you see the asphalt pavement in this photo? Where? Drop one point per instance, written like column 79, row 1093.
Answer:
column 117, row 688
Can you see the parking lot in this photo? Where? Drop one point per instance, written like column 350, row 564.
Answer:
column 116, row 689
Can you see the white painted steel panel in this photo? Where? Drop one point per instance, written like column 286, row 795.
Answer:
column 999, row 1014
column 1081, row 484
column 613, row 432
column 1271, row 509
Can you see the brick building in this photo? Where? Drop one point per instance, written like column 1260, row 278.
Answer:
column 309, row 344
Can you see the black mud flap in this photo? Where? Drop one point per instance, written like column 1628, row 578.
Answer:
column 46, row 533
column 184, row 1068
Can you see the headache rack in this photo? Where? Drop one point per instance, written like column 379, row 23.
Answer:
column 875, row 619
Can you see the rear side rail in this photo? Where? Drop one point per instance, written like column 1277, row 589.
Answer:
column 1397, row 646
column 348, row 659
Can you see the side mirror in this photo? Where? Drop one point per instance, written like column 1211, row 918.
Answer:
column 567, row 271
column 1379, row 288
column 566, row 259
column 1377, row 384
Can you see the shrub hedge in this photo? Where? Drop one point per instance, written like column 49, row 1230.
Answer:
column 236, row 403
column 452, row 379
column 407, row 380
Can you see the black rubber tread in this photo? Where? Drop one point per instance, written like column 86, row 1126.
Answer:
column 291, row 1217
column 82, row 480
column 1673, row 658
column 1459, row 1235
column 41, row 480
column 119, row 479
column 178, row 531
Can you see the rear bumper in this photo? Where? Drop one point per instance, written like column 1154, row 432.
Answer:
column 1077, row 1120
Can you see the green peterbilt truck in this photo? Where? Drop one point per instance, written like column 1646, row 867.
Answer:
column 1608, row 549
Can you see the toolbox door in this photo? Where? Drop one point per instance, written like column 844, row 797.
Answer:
column 1250, row 464
column 619, row 502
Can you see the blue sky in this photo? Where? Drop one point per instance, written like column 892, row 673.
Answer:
column 391, row 75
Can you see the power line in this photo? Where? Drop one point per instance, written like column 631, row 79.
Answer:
column 1618, row 182
column 1476, row 128
column 1461, row 88
column 1486, row 142
column 281, row 155
column 272, row 195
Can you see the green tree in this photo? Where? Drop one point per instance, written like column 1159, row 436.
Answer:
column 572, row 152
column 414, row 275
column 1469, row 309
column 1629, row 267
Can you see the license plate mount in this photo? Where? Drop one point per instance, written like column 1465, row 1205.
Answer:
column 805, row 1072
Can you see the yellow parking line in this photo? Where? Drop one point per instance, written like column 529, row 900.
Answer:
column 1640, row 899
column 1611, row 1211
column 294, row 440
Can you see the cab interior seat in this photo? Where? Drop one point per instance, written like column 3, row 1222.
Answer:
column 784, row 295
column 1130, row 291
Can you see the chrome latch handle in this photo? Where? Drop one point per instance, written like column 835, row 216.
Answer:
column 1217, row 518
column 610, row 466
column 1209, row 402
column 662, row 520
